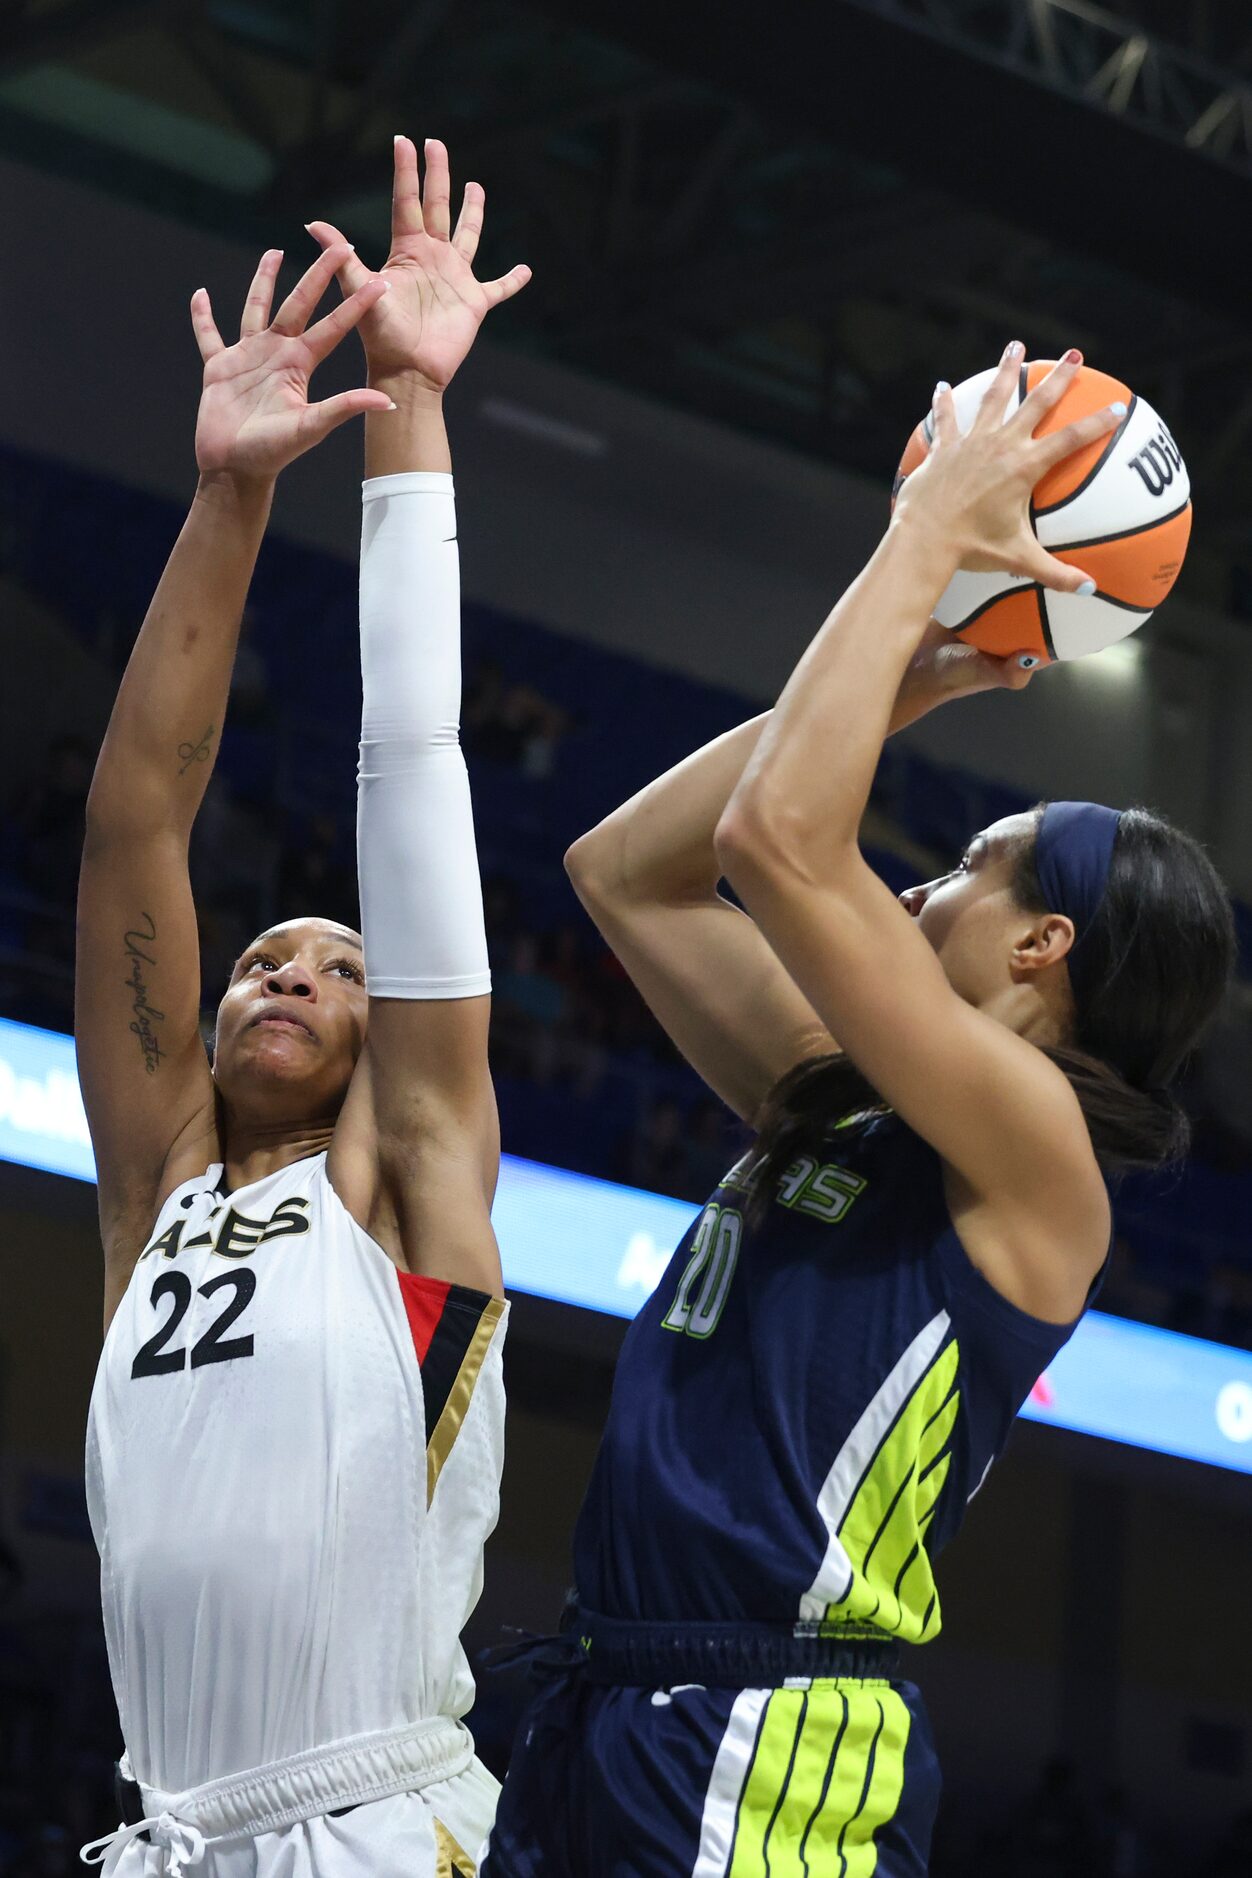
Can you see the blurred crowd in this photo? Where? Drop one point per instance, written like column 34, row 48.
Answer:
column 1070, row 1825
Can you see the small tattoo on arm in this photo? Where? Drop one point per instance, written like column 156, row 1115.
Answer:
column 195, row 752
column 146, row 1015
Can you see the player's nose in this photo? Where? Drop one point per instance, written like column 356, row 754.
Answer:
column 293, row 980
column 913, row 899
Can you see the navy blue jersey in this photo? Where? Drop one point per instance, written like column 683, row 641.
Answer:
column 804, row 1407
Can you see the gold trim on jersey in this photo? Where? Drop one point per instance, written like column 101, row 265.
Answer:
column 455, row 1409
column 450, row 1860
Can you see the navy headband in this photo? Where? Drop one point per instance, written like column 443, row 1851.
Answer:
column 1073, row 854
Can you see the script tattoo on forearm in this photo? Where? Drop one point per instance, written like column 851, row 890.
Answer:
column 146, row 1015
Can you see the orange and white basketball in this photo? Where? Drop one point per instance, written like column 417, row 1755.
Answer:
column 1119, row 509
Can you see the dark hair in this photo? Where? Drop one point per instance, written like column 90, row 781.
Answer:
column 1159, row 954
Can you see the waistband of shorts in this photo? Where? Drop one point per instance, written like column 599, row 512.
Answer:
column 344, row 1773
column 722, row 1655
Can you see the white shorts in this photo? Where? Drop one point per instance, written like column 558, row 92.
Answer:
column 436, row 1833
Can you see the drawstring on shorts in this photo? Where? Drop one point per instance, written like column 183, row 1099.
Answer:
column 181, row 1842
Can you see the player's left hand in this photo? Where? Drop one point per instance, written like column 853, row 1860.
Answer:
column 255, row 416
column 430, row 319
column 944, row 668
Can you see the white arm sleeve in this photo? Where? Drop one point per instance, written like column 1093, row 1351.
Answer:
column 421, row 899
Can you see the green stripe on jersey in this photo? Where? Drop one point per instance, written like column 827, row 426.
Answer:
column 884, row 1529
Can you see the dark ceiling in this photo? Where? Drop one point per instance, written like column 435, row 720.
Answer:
column 791, row 217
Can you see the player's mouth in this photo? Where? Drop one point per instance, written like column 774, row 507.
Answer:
column 284, row 1019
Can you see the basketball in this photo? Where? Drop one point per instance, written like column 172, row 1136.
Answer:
column 1120, row 509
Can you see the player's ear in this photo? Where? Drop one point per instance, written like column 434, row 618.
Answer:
column 1045, row 943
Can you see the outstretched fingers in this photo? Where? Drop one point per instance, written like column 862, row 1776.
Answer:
column 437, row 195
column 1048, row 393
column 352, row 271
column 297, row 309
column 1076, row 436
column 507, row 285
column 322, row 338
column 1032, row 560
column 943, row 414
column 469, row 223
column 995, row 399
column 406, row 193
column 321, row 419
column 256, row 308
column 1062, row 579
column 204, row 326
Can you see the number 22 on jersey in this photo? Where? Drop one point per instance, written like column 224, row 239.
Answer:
column 705, row 1284
column 236, row 1238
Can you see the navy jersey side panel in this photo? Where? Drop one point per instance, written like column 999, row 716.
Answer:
column 803, row 1408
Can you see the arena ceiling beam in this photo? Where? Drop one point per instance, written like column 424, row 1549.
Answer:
column 1133, row 157
column 1089, row 54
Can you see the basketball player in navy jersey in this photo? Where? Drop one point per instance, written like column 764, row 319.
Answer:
column 835, row 1356
column 296, row 1429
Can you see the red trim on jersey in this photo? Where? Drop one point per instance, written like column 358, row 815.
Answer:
column 424, row 1301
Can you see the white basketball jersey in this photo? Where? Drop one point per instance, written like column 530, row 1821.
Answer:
column 293, row 1463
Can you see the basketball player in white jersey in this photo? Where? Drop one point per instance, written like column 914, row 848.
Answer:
column 296, row 1428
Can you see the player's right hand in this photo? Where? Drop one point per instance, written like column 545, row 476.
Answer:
column 437, row 303
column 255, row 416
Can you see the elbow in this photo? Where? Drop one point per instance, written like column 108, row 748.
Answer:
column 577, row 858
column 735, row 839
column 133, row 812
column 579, row 861
column 586, row 864
column 763, row 843
column 754, row 839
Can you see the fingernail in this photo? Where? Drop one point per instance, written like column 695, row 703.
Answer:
column 393, row 406
column 1014, row 349
column 1087, row 589
column 1027, row 661
column 1073, row 356
column 941, row 387
column 1118, row 409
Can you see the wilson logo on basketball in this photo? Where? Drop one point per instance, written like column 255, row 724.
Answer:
column 1156, row 462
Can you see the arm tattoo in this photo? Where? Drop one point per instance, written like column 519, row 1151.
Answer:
column 195, row 752
column 146, row 1016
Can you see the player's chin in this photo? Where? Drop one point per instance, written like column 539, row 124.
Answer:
column 283, row 1038
column 280, row 1057
column 927, row 926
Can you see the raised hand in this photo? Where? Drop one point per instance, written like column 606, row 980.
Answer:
column 255, row 416
column 431, row 317
column 945, row 668
column 973, row 491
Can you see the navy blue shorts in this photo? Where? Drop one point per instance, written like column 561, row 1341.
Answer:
column 835, row 1779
